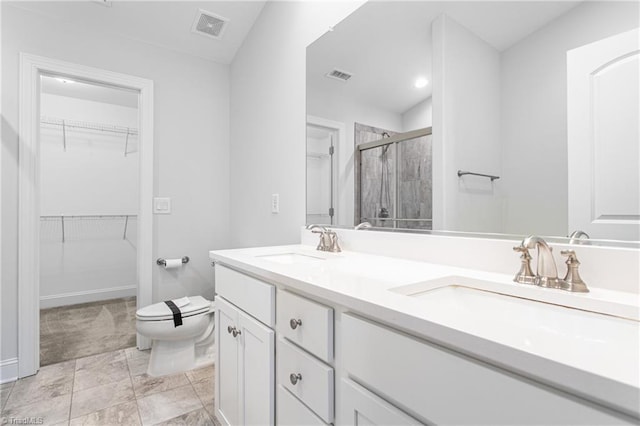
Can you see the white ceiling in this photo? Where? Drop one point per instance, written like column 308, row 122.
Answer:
column 162, row 23
column 387, row 45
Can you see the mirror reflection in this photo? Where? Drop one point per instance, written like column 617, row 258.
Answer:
column 485, row 117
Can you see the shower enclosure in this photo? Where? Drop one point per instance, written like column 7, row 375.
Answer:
column 393, row 178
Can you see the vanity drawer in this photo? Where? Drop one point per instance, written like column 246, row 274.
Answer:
column 306, row 323
column 253, row 296
column 314, row 386
column 292, row 412
column 444, row 387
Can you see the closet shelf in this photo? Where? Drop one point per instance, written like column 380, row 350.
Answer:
column 86, row 125
column 63, row 219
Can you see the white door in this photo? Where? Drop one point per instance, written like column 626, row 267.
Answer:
column 603, row 82
column 227, row 367
column 362, row 408
column 257, row 380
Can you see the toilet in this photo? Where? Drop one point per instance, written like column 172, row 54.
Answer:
column 181, row 348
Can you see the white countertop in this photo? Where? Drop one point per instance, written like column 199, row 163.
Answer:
column 377, row 287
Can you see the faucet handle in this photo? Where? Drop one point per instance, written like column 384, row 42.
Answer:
column 525, row 275
column 335, row 247
column 573, row 278
column 319, row 229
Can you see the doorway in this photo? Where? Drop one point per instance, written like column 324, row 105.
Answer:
column 321, row 145
column 88, row 218
column 59, row 147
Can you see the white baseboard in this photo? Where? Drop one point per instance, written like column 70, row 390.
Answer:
column 74, row 298
column 8, row 370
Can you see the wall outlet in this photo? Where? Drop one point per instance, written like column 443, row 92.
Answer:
column 275, row 203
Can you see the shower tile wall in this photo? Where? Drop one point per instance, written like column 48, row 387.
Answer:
column 371, row 176
column 414, row 179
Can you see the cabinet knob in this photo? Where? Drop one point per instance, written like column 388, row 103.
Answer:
column 294, row 323
column 295, row 378
column 230, row 329
column 234, row 331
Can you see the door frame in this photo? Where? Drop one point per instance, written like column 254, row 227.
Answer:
column 31, row 68
column 338, row 156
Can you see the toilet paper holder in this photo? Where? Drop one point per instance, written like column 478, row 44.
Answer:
column 163, row 262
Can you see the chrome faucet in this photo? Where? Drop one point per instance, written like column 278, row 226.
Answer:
column 328, row 238
column 546, row 270
column 578, row 237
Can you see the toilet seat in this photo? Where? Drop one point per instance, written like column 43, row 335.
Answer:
column 160, row 311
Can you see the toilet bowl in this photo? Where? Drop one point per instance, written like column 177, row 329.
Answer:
column 178, row 348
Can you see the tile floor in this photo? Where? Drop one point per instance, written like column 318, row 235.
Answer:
column 75, row 331
column 108, row 389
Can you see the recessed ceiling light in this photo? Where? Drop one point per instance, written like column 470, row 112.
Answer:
column 421, row 82
column 64, row 80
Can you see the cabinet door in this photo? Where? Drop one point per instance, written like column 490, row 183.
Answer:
column 360, row 407
column 257, row 376
column 227, row 366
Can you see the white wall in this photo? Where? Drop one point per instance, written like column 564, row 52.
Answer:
column 347, row 110
column 534, row 114
column 191, row 112
column 91, row 177
column 466, row 129
column 418, row 117
column 268, row 120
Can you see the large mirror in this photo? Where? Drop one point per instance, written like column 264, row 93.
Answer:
column 479, row 117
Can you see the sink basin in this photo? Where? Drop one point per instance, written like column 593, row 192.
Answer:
column 532, row 316
column 291, row 258
column 533, row 325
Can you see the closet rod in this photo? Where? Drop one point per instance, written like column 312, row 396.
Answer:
column 93, row 216
column 86, row 125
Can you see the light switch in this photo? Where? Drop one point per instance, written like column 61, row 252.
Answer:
column 275, row 203
column 162, row 205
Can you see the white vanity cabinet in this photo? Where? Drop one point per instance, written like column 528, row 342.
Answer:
column 439, row 386
column 277, row 363
column 245, row 351
column 304, row 349
column 361, row 407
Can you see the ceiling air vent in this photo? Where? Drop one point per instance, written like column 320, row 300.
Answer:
column 209, row 24
column 339, row 75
